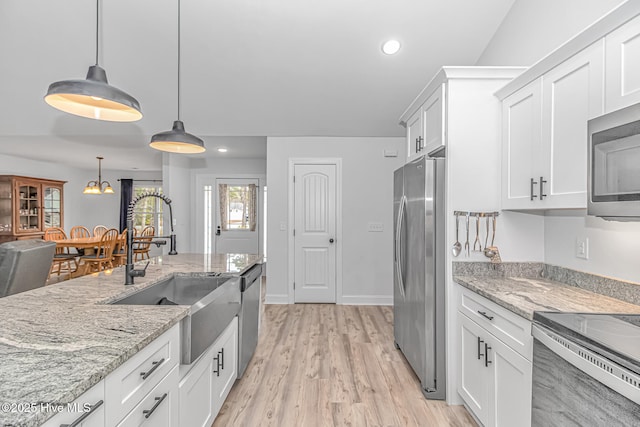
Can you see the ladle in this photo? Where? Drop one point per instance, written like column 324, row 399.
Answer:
column 457, row 246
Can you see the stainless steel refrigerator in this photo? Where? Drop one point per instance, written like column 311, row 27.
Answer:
column 419, row 275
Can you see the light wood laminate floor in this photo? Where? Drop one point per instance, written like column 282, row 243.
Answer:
column 331, row 365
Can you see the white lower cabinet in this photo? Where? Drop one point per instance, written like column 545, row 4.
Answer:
column 159, row 408
column 85, row 411
column 152, row 389
column 494, row 380
column 208, row 381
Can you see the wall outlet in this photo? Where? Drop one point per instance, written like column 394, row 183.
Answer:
column 283, row 226
column 582, row 247
column 375, row 227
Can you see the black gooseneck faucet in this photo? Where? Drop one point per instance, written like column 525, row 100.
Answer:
column 130, row 271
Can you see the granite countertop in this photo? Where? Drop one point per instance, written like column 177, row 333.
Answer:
column 58, row 341
column 524, row 295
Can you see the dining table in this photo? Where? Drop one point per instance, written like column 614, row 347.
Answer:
column 88, row 244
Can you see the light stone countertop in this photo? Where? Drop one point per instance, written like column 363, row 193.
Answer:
column 524, row 295
column 58, row 341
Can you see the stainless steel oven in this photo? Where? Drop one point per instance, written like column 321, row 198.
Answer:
column 586, row 370
column 614, row 165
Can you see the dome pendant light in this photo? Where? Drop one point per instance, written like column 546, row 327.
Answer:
column 177, row 140
column 94, row 97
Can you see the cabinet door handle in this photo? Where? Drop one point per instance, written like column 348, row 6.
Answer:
column 156, row 365
column 479, row 348
column 219, row 362
column 533, row 184
column 417, row 149
column 85, row 415
column 485, row 315
column 147, row 412
column 542, row 183
column 486, row 355
column 420, row 143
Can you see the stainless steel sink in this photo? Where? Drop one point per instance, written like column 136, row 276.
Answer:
column 214, row 301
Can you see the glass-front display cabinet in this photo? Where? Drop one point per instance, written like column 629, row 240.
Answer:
column 28, row 206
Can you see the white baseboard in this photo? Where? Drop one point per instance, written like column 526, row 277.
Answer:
column 366, row 300
column 276, row 299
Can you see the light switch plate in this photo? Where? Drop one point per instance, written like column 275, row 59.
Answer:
column 582, row 247
column 375, row 227
column 283, row 226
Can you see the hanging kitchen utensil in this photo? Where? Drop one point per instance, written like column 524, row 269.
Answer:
column 457, row 246
column 466, row 243
column 477, row 241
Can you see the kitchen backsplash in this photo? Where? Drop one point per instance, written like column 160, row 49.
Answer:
column 619, row 289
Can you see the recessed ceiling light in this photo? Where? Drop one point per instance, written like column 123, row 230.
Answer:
column 391, row 47
column 222, row 150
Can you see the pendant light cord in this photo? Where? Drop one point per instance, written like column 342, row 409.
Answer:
column 97, row 27
column 178, row 59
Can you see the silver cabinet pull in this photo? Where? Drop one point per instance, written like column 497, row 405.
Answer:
column 420, row 141
column 485, row 315
column 155, row 366
column 533, row 184
column 479, row 348
column 84, row 416
column 542, row 183
column 486, row 355
column 147, row 412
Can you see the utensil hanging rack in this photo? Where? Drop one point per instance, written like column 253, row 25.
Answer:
column 475, row 214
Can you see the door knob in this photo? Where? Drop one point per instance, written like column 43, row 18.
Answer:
column 331, row 240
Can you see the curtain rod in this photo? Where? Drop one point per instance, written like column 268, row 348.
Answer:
column 144, row 180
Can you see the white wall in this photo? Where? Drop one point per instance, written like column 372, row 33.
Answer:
column 367, row 195
column 532, row 29
column 79, row 209
column 177, row 185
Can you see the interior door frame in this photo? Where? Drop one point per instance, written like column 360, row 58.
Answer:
column 291, row 221
column 197, row 230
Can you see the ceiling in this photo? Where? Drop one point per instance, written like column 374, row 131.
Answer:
column 249, row 69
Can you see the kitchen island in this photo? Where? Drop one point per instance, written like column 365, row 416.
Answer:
column 56, row 342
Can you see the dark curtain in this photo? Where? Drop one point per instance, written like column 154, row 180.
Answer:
column 126, row 195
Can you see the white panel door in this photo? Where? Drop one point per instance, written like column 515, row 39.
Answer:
column 474, row 386
column 315, row 233
column 237, row 211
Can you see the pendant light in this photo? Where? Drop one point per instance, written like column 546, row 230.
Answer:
column 177, row 140
column 95, row 187
column 94, row 97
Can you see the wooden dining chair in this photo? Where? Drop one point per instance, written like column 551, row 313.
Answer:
column 79, row 231
column 141, row 248
column 62, row 255
column 120, row 250
column 103, row 258
column 99, row 230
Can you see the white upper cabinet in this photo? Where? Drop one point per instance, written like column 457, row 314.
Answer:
column 544, row 134
column 433, row 117
column 521, row 146
column 425, row 128
column 623, row 66
column 415, row 135
column 571, row 95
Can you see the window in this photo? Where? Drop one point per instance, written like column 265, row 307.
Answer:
column 238, row 206
column 148, row 211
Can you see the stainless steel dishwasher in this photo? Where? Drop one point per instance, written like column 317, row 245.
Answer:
column 249, row 316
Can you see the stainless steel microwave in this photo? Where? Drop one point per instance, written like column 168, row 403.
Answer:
column 614, row 165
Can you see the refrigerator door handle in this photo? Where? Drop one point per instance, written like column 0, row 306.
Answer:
column 399, row 243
